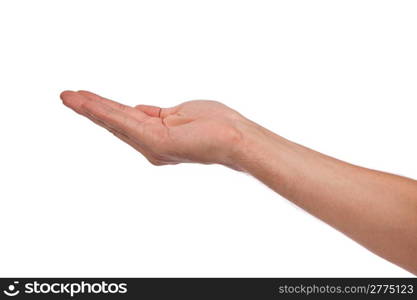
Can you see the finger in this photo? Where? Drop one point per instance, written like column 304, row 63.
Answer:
column 121, row 136
column 152, row 111
column 137, row 147
column 73, row 101
column 120, row 120
column 156, row 111
column 101, row 123
column 70, row 99
column 116, row 105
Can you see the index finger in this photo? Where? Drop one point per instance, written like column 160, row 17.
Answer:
column 141, row 116
column 117, row 119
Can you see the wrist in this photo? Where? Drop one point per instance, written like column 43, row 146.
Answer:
column 247, row 149
column 259, row 148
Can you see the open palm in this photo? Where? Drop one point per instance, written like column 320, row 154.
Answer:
column 195, row 131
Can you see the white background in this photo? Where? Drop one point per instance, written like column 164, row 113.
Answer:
column 337, row 76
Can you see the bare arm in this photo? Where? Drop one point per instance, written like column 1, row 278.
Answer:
column 378, row 210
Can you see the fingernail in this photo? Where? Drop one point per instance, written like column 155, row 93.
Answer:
column 65, row 94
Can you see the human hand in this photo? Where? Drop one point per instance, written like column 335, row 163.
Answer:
column 195, row 131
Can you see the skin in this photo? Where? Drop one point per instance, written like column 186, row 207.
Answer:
column 376, row 209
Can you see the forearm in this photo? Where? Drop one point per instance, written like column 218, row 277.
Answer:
column 376, row 209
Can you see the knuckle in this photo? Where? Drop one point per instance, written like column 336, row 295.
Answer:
column 84, row 106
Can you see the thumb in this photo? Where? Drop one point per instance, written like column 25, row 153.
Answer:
column 152, row 111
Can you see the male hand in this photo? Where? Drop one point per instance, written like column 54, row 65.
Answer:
column 195, row 131
column 374, row 208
